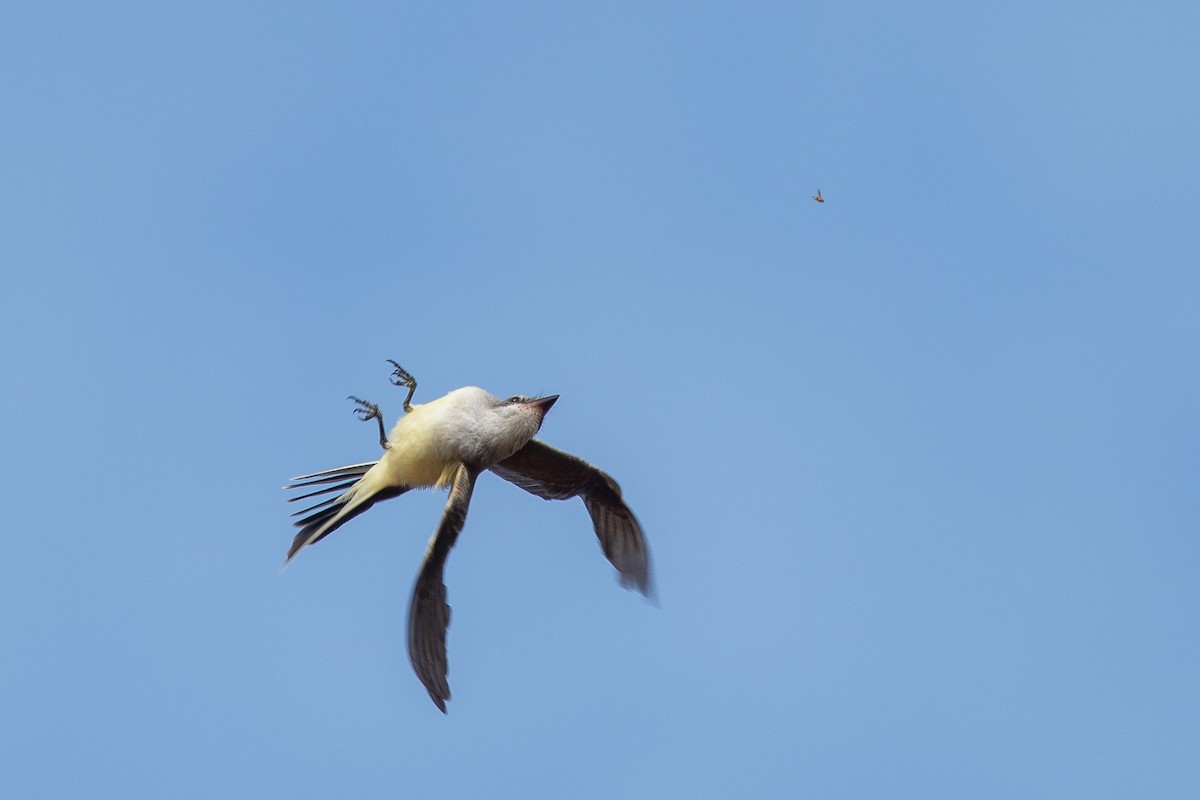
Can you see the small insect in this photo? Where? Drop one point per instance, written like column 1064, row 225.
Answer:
column 818, row 197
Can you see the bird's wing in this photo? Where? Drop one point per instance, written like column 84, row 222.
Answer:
column 428, row 612
column 554, row 475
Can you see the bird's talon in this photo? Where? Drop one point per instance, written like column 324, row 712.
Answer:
column 367, row 410
column 402, row 377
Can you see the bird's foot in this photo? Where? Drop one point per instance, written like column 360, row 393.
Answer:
column 402, row 377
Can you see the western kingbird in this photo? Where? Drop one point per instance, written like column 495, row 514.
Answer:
column 446, row 444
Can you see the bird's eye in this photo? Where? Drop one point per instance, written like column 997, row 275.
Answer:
column 516, row 398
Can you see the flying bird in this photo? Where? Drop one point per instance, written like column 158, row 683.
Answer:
column 446, row 444
column 818, row 197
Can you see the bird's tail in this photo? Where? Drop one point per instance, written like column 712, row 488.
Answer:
column 318, row 521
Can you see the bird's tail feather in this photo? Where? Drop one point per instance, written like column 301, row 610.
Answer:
column 332, row 475
column 323, row 518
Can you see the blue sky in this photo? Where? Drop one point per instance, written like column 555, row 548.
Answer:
column 918, row 466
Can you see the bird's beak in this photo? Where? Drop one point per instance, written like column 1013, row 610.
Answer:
column 543, row 403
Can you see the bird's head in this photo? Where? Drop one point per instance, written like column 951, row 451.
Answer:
column 525, row 413
column 501, row 427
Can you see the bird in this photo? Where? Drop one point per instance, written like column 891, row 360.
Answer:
column 446, row 444
column 818, row 197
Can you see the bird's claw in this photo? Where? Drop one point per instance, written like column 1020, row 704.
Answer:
column 366, row 410
column 401, row 376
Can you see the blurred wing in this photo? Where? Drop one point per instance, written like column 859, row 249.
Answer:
column 428, row 612
column 554, row 475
